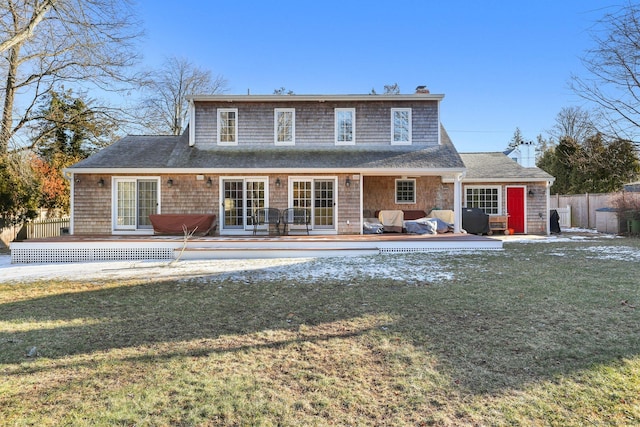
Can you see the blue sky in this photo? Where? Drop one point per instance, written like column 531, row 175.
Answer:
column 500, row 64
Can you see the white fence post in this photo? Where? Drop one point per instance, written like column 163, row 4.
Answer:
column 46, row 228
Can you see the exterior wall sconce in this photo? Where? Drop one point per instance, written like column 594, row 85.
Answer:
column 531, row 193
column 209, row 183
column 170, row 182
column 278, row 183
column 348, row 182
column 101, row 183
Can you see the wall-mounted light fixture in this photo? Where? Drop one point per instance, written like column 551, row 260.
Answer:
column 278, row 183
column 209, row 183
column 170, row 182
column 101, row 182
column 77, row 180
column 348, row 182
column 531, row 193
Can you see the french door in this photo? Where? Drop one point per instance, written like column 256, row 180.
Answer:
column 317, row 195
column 240, row 198
column 135, row 199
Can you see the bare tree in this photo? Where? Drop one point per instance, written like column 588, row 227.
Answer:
column 575, row 123
column 614, row 68
column 18, row 32
column 392, row 89
column 78, row 42
column 166, row 107
column 282, row 91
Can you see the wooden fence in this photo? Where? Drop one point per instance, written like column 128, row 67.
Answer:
column 565, row 216
column 47, row 228
column 584, row 206
column 34, row 230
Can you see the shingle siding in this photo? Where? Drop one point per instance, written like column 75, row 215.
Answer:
column 379, row 192
column 315, row 122
column 92, row 205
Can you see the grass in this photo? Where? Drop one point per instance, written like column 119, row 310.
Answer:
column 538, row 334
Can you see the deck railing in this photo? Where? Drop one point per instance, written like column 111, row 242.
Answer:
column 47, row 228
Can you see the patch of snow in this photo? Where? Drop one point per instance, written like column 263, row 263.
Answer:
column 412, row 268
column 617, row 253
column 243, row 270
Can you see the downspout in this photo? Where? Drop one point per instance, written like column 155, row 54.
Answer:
column 360, row 187
column 548, row 213
column 69, row 175
column 457, row 202
column 192, row 123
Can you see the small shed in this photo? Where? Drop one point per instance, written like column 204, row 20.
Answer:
column 607, row 221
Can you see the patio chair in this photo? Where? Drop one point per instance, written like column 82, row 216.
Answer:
column 268, row 217
column 296, row 216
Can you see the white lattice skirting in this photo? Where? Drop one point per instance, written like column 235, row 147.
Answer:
column 28, row 255
column 434, row 249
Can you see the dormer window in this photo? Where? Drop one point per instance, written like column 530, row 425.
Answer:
column 285, row 126
column 228, row 126
column 401, row 126
column 345, row 125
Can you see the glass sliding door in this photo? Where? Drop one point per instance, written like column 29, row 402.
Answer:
column 125, row 205
column 147, row 202
column 233, row 204
column 255, row 198
column 135, row 200
column 240, row 199
column 323, row 204
column 318, row 196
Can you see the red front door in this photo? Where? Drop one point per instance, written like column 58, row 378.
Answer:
column 515, row 208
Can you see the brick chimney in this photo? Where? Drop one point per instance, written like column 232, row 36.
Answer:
column 422, row 89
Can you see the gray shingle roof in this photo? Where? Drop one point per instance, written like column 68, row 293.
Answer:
column 497, row 166
column 174, row 152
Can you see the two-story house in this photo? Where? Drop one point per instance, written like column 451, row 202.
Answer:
column 334, row 155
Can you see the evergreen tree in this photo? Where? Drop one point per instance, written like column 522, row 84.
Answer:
column 595, row 166
column 516, row 139
column 69, row 130
column 69, row 125
column 18, row 191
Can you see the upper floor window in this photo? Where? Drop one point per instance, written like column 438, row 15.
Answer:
column 345, row 126
column 227, row 126
column 285, row 126
column 405, row 191
column 401, row 125
column 485, row 198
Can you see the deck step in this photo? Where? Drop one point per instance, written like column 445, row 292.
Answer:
column 110, row 248
column 273, row 252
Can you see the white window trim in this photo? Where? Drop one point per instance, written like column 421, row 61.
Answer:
column 219, row 126
column 293, row 126
column 353, row 124
column 114, row 204
column 394, row 142
column 497, row 187
column 396, row 192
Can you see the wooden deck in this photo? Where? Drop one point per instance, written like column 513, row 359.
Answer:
column 109, row 247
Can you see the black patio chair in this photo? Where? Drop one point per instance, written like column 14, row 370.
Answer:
column 268, row 217
column 296, row 216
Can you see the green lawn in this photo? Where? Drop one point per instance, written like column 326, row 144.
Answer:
column 537, row 334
